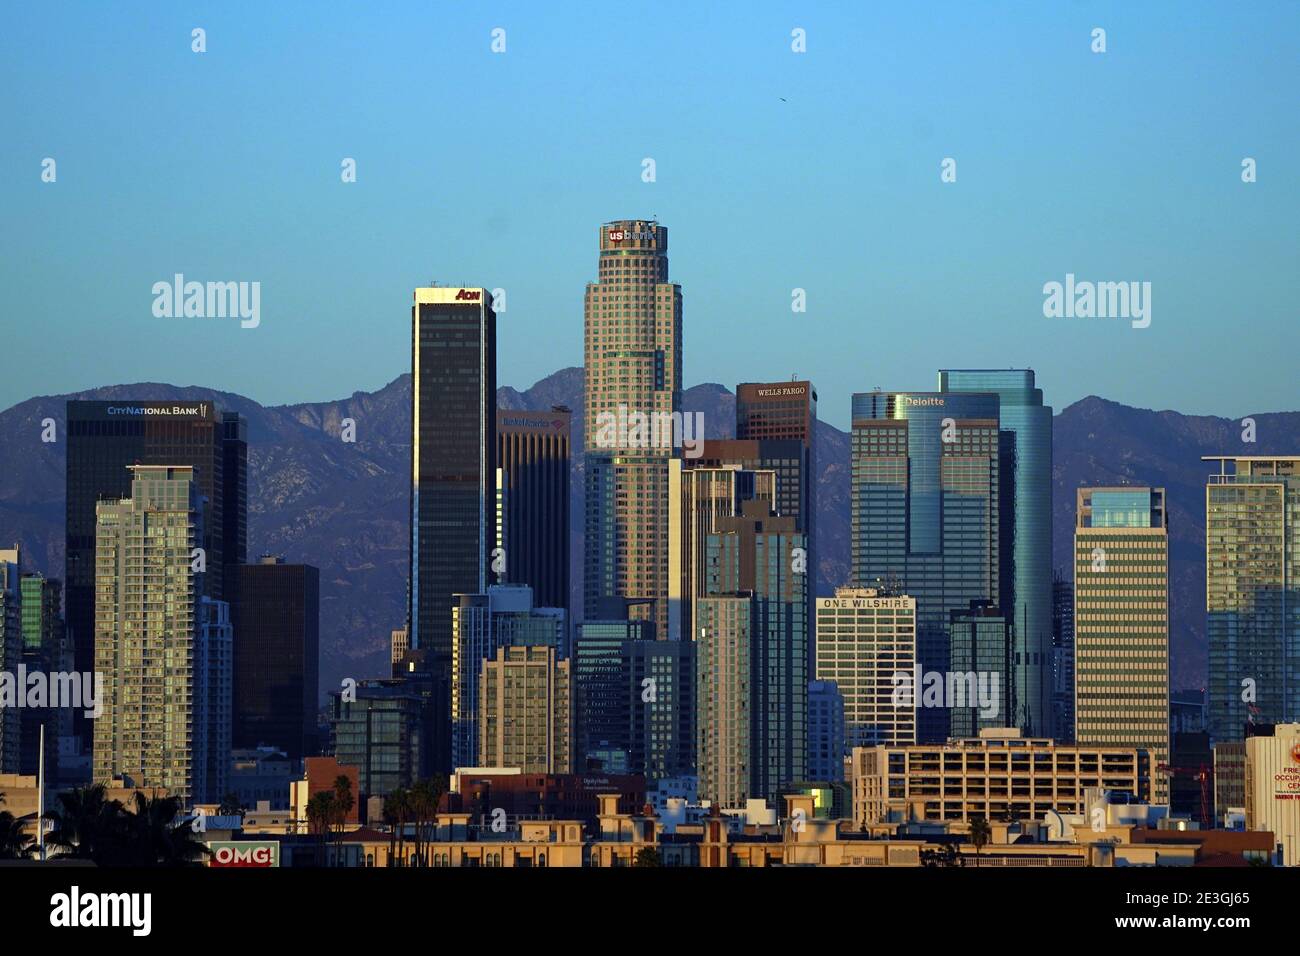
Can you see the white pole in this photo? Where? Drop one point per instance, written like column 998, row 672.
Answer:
column 40, row 799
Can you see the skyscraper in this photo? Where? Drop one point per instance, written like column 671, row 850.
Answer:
column 525, row 718
column 533, row 452
column 1252, row 593
column 104, row 439
column 453, row 466
column 752, row 660
column 864, row 637
column 1121, row 631
column 1027, row 598
column 503, row 616
column 927, row 486
column 633, row 366
column 698, row 497
column 277, row 656
column 161, row 649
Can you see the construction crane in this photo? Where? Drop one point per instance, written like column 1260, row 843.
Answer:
column 1202, row 773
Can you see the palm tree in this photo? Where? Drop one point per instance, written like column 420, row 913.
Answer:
column 320, row 818
column 980, row 832
column 397, row 810
column 152, row 837
column 86, row 825
column 15, row 842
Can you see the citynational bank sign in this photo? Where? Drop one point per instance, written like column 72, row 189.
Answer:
column 138, row 410
column 244, row 855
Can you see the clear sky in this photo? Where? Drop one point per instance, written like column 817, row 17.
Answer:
column 775, row 170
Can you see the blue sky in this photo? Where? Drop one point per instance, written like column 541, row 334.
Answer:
column 775, row 170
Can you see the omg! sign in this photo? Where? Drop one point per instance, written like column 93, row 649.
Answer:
column 259, row 855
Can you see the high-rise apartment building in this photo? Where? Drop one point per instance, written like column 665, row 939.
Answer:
column 533, row 453
column 276, row 616
column 633, row 366
column 1121, row 623
column 503, row 616
column 697, row 498
column 453, row 466
column 1027, row 509
column 634, row 700
column 752, row 663
column 929, row 476
column 105, row 438
column 864, row 638
column 386, row 731
column 525, row 716
column 1252, row 593
column 160, row 648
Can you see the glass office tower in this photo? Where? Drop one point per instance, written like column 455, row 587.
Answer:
column 1252, row 594
column 1027, row 601
column 453, row 471
column 927, row 486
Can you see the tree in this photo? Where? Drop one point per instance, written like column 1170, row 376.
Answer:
column 397, row 810
column 320, row 819
column 647, row 856
column 230, row 806
column 86, row 824
column 980, row 833
column 944, row 855
column 15, row 842
column 151, row 835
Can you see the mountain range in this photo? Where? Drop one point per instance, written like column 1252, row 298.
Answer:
column 344, row 506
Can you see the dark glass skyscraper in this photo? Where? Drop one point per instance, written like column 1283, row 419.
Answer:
column 276, row 617
column 1028, row 592
column 927, row 486
column 104, row 438
column 453, row 467
column 533, row 452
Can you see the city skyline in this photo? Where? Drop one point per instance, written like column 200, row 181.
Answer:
column 899, row 590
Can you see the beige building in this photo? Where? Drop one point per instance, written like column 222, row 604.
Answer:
column 632, row 358
column 1121, row 623
column 864, row 638
column 724, row 686
column 995, row 776
column 1273, row 788
column 524, row 710
column 164, row 651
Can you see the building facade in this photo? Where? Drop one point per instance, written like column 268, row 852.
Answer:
column 1027, row 595
column 524, row 713
column 999, row 775
column 159, row 725
column 276, row 615
column 929, row 476
column 864, row 638
column 633, row 367
column 453, row 467
column 1273, row 788
column 1121, row 622
column 1252, row 593
column 533, row 451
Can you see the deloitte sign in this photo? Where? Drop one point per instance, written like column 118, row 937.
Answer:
column 258, row 855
